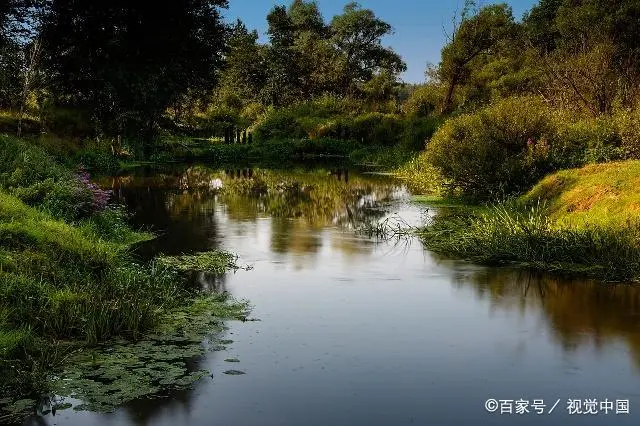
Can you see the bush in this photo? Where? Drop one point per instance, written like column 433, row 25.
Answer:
column 23, row 164
column 29, row 173
column 417, row 131
column 68, row 121
column 628, row 126
column 333, row 118
column 95, row 160
column 504, row 148
column 424, row 101
column 421, row 177
column 587, row 141
column 279, row 124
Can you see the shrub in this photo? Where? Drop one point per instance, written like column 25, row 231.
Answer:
column 424, row 101
column 421, row 177
column 23, row 164
column 279, row 124
column 377, row 129
column 502, row 149
column 62, row 199
column 68, row 121
column 586, row 141
column 417, row 131
column 628, row 126
column 97, row 160
column 33, row 176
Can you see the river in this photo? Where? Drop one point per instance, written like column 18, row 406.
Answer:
column 358, row 331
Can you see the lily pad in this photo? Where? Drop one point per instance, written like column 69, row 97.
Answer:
column 109, row 376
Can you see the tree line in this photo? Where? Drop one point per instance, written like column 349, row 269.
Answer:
column 126, row 70
column 123, row 65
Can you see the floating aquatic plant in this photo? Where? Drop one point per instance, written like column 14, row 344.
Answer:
column 216, row 262
column 109, row 376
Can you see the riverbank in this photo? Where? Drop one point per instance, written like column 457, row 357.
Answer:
column 580, row 222
column 70, row 281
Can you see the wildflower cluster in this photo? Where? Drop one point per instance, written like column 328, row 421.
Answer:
column 99, row 198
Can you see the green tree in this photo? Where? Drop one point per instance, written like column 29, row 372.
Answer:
column 357, row 36
column 315, row 54
column 283, row 84
column 476, row 35
column 127, row 62
column 540, row 25
column 244, row 72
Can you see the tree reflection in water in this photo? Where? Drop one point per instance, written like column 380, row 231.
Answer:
column 577, row 312
column 185, row 205
column 196, row 208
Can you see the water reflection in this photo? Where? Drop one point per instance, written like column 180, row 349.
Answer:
column 578, row 313
column 185, row 205
column 356, row 332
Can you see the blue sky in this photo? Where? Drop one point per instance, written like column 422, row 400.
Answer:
column 418, row 24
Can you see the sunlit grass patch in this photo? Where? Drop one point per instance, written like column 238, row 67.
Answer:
column 601, row 194
column 504, row 235
column 420, row 176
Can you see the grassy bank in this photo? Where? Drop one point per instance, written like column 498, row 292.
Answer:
column 579, row 221
column 68, row 279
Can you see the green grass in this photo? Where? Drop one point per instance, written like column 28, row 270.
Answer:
column 386, row 157
column 420, row 176
column 599, row 194
column 70, row 281
column 582, row 221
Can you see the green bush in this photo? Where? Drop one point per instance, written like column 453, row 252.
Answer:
column 502, row 149
column 340, row 119
column 36, row 178
column 97, row 160
column 417, row 131
column 63, row 199
column 587, row 141
column 23, row 164
column 279, row 124
column 377, row 129
column 424, row 101
column 628, row 127
column 68, row 121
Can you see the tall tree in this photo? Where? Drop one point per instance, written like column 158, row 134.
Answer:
column 540, row 25
column 244, row 71
column 475, row 36
column 127, row 61
column 312, row 48
column 19, row 25
column 284, row 75
column 357, row 36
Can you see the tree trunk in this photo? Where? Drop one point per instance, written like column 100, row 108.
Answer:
column 446, row 105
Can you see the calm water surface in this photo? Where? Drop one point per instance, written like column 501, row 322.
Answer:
column 357, row 332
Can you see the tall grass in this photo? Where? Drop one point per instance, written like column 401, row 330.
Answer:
column 506, row 234
column 70, row 277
